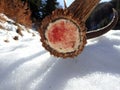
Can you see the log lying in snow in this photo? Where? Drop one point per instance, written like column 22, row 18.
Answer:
column 63, row 33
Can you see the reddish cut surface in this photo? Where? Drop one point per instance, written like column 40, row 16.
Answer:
column 63, row 35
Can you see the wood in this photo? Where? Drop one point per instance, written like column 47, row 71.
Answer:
column 82, row 8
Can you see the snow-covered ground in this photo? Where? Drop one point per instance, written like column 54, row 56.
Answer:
column 26, row 65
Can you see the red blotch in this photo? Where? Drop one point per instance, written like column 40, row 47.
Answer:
column 63, row 33
column 57, row 32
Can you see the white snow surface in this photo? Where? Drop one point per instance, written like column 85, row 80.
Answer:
column 26, row 65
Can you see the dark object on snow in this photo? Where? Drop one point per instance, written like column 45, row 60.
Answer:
column 64, row 34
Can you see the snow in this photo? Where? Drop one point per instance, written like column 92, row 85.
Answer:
column 26, row 65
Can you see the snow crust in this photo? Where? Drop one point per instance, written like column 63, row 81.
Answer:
column 26, row 65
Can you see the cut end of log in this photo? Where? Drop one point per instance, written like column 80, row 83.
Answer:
column 62, row 35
